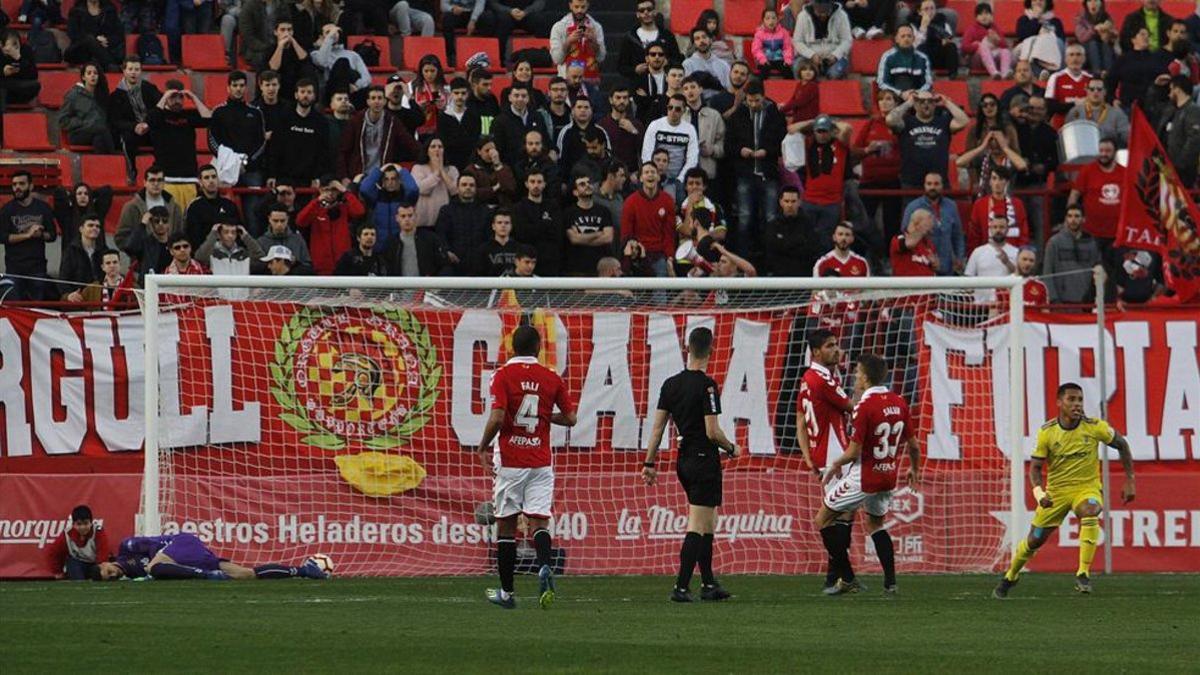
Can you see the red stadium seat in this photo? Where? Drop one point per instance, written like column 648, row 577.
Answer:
column 684, row 14
column 1178, row 9
column 1120, row 9
column 26, row 131
column 1006, row 15
column 856, row 124
column 866, row 54
column 519, row 43
column 955, row 90
column 742, row 17
column 215, row 89
column 55, row 85
column 542, row 84
column 966, row 12
column 104, row 169
column 114, row 213
column 385, row 51
column 842, row 98
column 417, row 47
column 131, row 48
column 499, row 83
column 469, row 46
column 140, row 164
column 779, row 91
column 997, row 87
column 204, row 52
column 958, row 142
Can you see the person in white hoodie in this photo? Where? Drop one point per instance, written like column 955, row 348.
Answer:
column 823, row 37
column 229, row 250
column 352, row 74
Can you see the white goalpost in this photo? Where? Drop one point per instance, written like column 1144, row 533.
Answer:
column 286, row 416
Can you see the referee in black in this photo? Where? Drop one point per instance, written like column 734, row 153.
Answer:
column 692, row 400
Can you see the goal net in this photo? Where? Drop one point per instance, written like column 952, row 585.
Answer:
column 292, row 416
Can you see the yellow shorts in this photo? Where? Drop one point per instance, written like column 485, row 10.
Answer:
column 1066, row 501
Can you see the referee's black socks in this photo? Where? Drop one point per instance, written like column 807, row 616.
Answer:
column 689, row 553
column 541, row 544
column 705, row 559
column 506, row 560
column 887, row 556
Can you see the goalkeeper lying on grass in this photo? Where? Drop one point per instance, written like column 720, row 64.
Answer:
column 184, row 556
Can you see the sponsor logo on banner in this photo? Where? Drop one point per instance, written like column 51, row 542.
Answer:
column 36, row 532
column 660, row 522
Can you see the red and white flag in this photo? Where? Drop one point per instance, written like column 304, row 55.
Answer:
column 1158, row 213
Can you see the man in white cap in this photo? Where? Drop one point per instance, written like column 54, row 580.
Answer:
column 279, row 260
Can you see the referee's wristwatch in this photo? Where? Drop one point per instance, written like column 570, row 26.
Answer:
column 649, row 465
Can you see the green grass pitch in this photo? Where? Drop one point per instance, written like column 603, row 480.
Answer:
column 1132, row 623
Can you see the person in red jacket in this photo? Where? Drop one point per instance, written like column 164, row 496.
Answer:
column 81, row 547
column 648, row 218
column 327, row 219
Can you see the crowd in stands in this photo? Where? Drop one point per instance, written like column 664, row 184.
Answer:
column 671, row 154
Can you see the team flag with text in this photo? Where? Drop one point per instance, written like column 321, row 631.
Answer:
column 1158, row 214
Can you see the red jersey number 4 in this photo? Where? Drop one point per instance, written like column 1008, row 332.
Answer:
column 528, row 392
column 881, row 426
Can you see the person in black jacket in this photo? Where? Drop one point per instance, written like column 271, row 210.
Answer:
column 239, row 127
column 208, row 209
column 80, row 264
column 18, row 72
column 416, row 251
column 788, row 239
column 498, row 254
column 96, row 34
column 533, row 158
column 458, row 126
column 129, row 107
column 651, row 30
column 361, row 260
column 148, row 246
column 516, row 120
column 481, row 100
column 298, row 151
column 1136, row 21
column 463, row 225
column 173, row 131
column 73, row 205
column 756, row 163
column 537, row 222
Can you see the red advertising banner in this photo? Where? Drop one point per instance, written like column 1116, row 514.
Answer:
column 765, row 524
column 298, row 429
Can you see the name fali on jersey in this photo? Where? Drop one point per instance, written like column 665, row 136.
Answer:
column 533, row 387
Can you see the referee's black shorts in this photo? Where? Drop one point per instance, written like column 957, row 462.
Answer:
column 700, row 476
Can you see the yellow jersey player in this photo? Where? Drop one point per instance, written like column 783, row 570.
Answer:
column 1067, row 444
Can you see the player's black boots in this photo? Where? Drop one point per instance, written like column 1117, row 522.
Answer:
column 1001, row 590
column 1083, row 583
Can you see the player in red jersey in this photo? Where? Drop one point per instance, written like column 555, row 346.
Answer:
column 524, row 394
column 821, row 431
column 880, row 425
